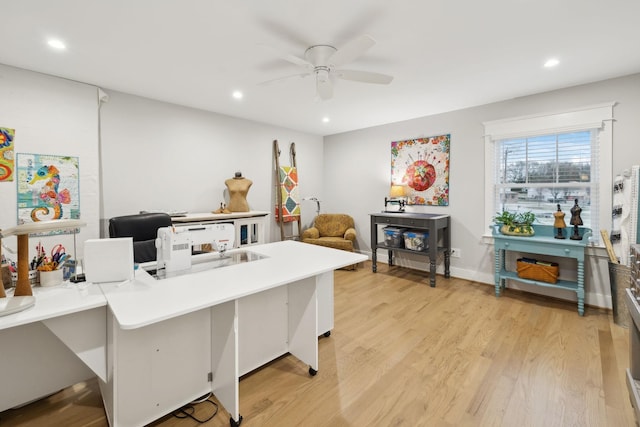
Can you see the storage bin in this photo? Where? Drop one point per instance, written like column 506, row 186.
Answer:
column 416, row 240
column 620, row 279
column 33, row 278
column 540, row 272
column 393, row 237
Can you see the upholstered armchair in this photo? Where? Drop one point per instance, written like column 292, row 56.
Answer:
column 332, row 230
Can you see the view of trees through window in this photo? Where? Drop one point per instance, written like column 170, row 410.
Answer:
column 538, row 173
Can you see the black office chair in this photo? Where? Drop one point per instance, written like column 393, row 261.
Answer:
column 144, row 230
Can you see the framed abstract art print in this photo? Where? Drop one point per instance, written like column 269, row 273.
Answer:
column 421, row 165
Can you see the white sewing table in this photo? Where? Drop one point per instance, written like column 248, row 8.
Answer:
column 173, row 340
column 42, row 348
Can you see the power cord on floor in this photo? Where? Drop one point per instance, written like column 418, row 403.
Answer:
column 188, row 410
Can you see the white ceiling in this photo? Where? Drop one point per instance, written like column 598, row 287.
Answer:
column 444, row 54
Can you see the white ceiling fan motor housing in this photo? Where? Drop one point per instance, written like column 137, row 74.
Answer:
column 319, row 55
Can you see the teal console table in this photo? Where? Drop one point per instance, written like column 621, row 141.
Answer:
column 542, row 243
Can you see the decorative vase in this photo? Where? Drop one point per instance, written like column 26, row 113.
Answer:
column 517, row 230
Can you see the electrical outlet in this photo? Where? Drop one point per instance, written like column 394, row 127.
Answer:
column 456, row 253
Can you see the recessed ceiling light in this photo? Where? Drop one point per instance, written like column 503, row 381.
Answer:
column 56, row 44
column 551, row 63
column 325, row 120
column 237, row 94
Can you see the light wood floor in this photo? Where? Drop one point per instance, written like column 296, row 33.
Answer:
column 405, row 354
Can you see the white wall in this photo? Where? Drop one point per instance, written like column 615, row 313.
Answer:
column 51, row 116
column 155, row 156
column 363, row 158
column 160, row 156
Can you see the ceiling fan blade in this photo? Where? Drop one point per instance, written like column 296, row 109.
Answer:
column 289, row 57
column 352, row 50
column 324, row 87
column 280, row 79
column 283, row 32
column 363, row 76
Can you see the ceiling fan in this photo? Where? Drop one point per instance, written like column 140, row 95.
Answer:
column 324, row 62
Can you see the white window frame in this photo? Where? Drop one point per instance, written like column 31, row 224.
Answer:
column 599, row 117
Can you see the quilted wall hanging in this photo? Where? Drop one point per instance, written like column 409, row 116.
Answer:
column 289, row 189
column 6, row 154
column 48, row 187
column 421, row 165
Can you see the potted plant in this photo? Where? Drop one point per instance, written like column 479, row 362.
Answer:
column 515, row 223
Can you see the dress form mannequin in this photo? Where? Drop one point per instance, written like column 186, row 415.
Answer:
column 559, row 223
column 238, row 187
column 576, row 220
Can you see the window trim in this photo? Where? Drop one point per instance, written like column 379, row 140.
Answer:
column 598, row 116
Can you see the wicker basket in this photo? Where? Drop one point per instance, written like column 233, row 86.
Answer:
column 541, row 273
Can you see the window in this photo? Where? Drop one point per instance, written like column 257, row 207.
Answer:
column 536, row 174
column 535, row 163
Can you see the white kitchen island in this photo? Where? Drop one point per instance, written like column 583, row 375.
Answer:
column 173, row 340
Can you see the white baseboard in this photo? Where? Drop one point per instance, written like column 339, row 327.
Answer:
column 591, row 298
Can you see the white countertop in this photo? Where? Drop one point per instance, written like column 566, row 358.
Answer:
column 209, row 216
column 146, row 300
column 56, row 301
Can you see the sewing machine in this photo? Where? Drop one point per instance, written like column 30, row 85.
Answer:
column 174, row 244
column 399, row 202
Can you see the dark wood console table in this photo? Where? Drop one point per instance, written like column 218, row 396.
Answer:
column 438, row 226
